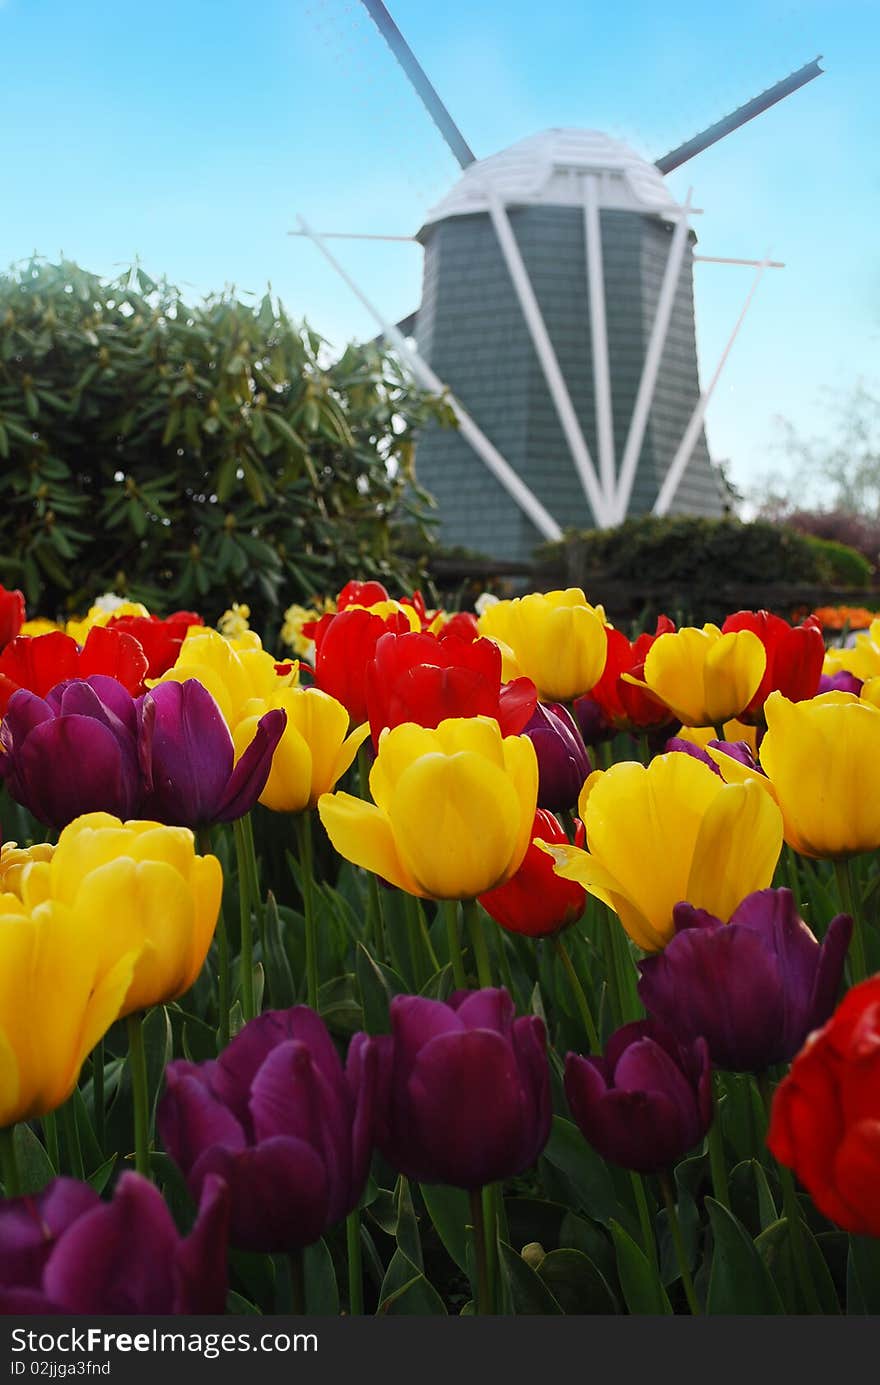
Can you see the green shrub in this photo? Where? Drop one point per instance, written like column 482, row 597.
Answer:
column 839, row 564
column 194, row 455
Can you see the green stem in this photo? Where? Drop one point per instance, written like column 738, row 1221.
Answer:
column 9, row 1162
column 304, row 843
column 450, row 910
column 71, row 1139
column 791, row 1208
column 647, row 1229
column 568, row 822
column 98, row 1090
column 471, row 913
column 579, row 994
column 297, row 1282
column 247, row 827
column 246, row 955
column 203, row 837
column 137, row 1063
column 678, row 1242
column 355, row 1267
column 719, row 731
column 50, row 1136
column 717, row 1163
column 490, row 1197
column 846, row 887
column 375, row 925
column 481, row 1294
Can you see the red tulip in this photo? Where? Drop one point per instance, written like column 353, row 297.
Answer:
column 41, row 662
column 160, row 639
column 624, row 706
column 825, row 1122
column 12, row 614
column 537, row 901
column 361, row 594
column 345, row 642
column 426, row 679
column 795, row 655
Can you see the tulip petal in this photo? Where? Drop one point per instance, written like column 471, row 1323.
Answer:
column 200, row 1274
column 190, row 1117
column 362, row 834
column 248, row 779
column 278, row 1193
column 736, row 851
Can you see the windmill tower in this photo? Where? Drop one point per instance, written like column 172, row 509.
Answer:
column 558, row 311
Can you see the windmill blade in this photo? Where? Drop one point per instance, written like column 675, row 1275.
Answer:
column 416, row 74
column 676, row 157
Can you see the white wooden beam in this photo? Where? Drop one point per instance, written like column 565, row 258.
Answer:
column 683, row 455
column 599, row 338
column 651, row 367
column 516, row 488
column 599, row 503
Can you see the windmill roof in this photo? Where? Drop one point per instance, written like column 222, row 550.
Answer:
column 548, row 169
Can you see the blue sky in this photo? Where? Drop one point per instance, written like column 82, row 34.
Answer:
column 191, row 132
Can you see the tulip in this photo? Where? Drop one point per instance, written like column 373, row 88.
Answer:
column 464, row 625
column 13, row 861
column 818, row 756
column 345, row 644
column 66, row 1251
column 464, row 1089
column 105, row 609
column 313, row 752
column 74, row 752
column 754, row 988
column 704, row 677
column 592, row 720
column 187, row 757
column 40, row 663
column 666, row 832
column 825, row 1119
column 12, row 615
column 794, row 657
column 841, row 681
column 625, row 706
column 557, row 639
column 739, row 751
column 428, row 679
column 148, row 891
column 452, row 812
column 647, row 1101
column 235, row 672
column 563, row 762
column 58, row 996
column 356, row 593
column 160, row 640
column 284, row 1124
column 536, row 901
column 863, row 659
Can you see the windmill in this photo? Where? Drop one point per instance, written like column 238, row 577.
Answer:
column 558, row 313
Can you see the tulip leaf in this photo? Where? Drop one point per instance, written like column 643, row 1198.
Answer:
column 322, row 1291
column 579, row 1233
column 739, row 1281
column 441, row 985
column 639, row 1282
column 407, row 1229
column 92, row 1153
column 339, row 1006
column 375, row 992
column 863, row 1276
column 236, row 1303
column 576, row 1283
column 158, row 1050
column 34, row 1165
column 528, row 1291
column 587, row 1174
column 449, row 1211
column 279, row 978
column 101, row 1177
column 406, row 1290
column 778, row 1254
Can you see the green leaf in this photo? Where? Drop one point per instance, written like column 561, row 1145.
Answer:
column 575, row 1282
column 739, row 1281
column 375, row 992
column 528, row 1291
column 639, row 1282
column 322, row 1291
column 34, row 1165
column 863, row 1276
column 101, row 1177
column 406, row 1290
column 586, row 1172
column 449, row 1211
column 777, row 1252
column 407, row 1229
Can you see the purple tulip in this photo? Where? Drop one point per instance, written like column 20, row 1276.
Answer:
column 563, row 762
column 754, row 988
column 840, row 682
column 647, row 1101
column 187, row 757
column 73, row 752
column 464, row 1089
column 593, row 724
column 285, row 1125
column 66, row 1251
column 737, row 750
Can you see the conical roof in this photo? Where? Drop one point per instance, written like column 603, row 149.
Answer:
column 548, row 169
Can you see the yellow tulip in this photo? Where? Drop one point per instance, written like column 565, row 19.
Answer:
column 669, row 832
column 871, row 692
column 555, row 638
column 453, row 809
column 148, row 890
column 14, row 858
column 101, row 615
column 39, row 626
column 705, row 678
column 57, row 999
column 821, row 756
column 313, row 753
column 863, row 660
column 235, row 671
column 733, row 731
